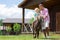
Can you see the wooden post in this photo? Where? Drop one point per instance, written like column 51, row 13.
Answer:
column 23, row 11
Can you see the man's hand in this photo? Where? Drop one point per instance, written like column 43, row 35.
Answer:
column 42, row 16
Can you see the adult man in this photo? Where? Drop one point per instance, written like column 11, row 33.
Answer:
column 45, row 15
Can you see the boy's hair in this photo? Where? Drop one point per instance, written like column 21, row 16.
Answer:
column 36, row 9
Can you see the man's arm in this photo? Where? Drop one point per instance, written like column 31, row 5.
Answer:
column 46, row 13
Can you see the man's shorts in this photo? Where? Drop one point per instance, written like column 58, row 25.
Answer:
column 44, row 25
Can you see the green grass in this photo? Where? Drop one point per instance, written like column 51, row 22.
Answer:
column 28, row 37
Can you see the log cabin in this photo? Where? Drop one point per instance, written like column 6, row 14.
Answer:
column 9, row 22
column 54, row 11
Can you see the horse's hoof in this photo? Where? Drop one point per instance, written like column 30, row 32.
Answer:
column 34, row 36
column 37, row 37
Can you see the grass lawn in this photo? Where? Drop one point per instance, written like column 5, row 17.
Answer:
column 28, row 37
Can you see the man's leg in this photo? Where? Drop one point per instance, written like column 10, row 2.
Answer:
column 44, row 31
column 47, row 28
column 47, row 31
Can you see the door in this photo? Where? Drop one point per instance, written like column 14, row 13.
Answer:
column 58, row 22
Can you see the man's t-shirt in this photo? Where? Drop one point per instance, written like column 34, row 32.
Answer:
column 44, row 12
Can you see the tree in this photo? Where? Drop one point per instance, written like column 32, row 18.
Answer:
column 1, row 24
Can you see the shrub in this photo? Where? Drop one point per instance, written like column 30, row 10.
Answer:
column 8, row 29
column 1, row 32
column 16, row 27
column 31, row 20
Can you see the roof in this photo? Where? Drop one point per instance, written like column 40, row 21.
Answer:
column 15, row 20
column 31, row 4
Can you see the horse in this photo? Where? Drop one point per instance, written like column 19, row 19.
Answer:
column 37, row 27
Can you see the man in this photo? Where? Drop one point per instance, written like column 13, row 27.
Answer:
column 45, row 15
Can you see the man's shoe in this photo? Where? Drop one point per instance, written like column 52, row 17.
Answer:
column 48, row 37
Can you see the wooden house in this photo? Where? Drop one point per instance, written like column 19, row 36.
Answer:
column 9, row 22
column 54, row 11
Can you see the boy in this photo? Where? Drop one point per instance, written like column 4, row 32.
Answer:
column 35, row 31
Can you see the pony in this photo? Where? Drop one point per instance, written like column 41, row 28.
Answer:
column 37, row 27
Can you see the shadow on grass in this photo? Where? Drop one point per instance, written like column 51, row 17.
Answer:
column 51, row 38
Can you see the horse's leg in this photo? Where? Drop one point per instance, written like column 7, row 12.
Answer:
column 34, row 29
column 37, row 33
column 34, row 32
column 37, row 30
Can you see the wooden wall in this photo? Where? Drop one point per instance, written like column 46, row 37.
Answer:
column 55, row 18
column 58, row 22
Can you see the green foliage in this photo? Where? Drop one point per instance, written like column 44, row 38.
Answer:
column 1, row 32
column 31, row 20
column 16, row 27
column 1, row 24
column 8, row 29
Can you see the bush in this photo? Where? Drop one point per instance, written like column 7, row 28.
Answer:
column 17, row 27
column 1, row 32
column 8, row 29
column 31, row 20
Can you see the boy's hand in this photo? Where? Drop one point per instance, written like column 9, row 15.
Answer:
column 38, row 17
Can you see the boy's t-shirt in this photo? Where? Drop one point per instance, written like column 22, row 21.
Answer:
column 35, row 16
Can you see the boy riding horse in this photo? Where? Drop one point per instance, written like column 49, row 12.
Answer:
column 36, row 23
column 43, row 22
